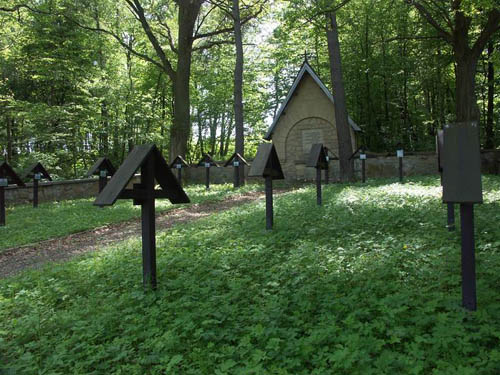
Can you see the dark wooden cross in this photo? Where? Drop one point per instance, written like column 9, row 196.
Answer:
column 400, row 155
column 178, row 164
column 450, row 206
column 361, row 151
column 7, row 175
column 317, row 159
column 266, row 164
column 238, row 162
column 102, row 168
column 329, row 156
column 37, row 172
column 207, row 162
column 153, row 167
column 461, row 162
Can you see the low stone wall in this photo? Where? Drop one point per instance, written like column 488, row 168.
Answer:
column 379, row 166
column 54, row 191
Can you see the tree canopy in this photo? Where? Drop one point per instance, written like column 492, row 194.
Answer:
column 90, row 78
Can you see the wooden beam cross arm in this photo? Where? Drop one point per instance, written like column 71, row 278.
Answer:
column 430, row 19
column 138, row 11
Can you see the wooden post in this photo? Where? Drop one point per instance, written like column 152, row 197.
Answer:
column 103, row 179
column 148, row 225
column 269, row 203
column 451, row 216
column 327, row 175
column 363, row 170
column 318, row 187
column 400, row 169
column 207, row 177
column 35, row 192
column 2, row 206
column 179, row 175
column 468, row 257
column 236, row 175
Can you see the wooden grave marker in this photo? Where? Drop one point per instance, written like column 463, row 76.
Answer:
column 266, row 164
column 178, row 164
column 207, row 162
column 462, row 184
column 7, row 175
column 153, row 166
column 329, row 156
column 450, row 207
column 102, row 168
column 317, row 159
column 363, row 155
column 37, row 172
column 400, row 156
column 238, row 162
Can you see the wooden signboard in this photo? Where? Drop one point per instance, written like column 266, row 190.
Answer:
column 36, row 172
column 178, row 164
column 207, row 162
column 266, row 164
column 238, row 162
column 462, row 184
column 317, row 159
column 153, row 167
column 450, row 206
column 102, row 168
column 7, row 176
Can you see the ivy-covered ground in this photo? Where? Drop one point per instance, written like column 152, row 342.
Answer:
column 27, row 225
column 367, row 284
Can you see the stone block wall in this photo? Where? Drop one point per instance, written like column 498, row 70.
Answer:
column 381, row 166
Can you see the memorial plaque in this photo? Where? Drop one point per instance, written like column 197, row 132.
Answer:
column 362, row 156
column 207, row 165
column 399, row 153
column 4, row 182
column 178, row 166
column 236, row 164
column 462, row 164
column 103, row 173
column 310, row 137
column 38, row 176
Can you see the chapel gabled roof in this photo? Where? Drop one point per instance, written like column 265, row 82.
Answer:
column 306, row 68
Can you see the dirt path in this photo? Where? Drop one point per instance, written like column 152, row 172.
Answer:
column 35, row 255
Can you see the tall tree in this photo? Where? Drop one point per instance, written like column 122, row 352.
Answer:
column 341, row 119
column 453, row 22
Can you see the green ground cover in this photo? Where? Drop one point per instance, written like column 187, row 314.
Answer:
column 26, row 225
column 367, row 284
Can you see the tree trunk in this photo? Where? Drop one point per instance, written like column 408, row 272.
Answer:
column 343, row 131
column 490, row 134
column 181, row 126
column 238, row 85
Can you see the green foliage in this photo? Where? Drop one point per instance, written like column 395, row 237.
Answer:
column 57, row 219
column 367, row 284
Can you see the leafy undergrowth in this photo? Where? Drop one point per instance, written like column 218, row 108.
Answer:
column 27, row 225
column 367, row 284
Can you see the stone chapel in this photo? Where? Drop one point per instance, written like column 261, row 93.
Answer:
column 306, row 117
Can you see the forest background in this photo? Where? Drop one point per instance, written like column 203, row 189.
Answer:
column 82, row 79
